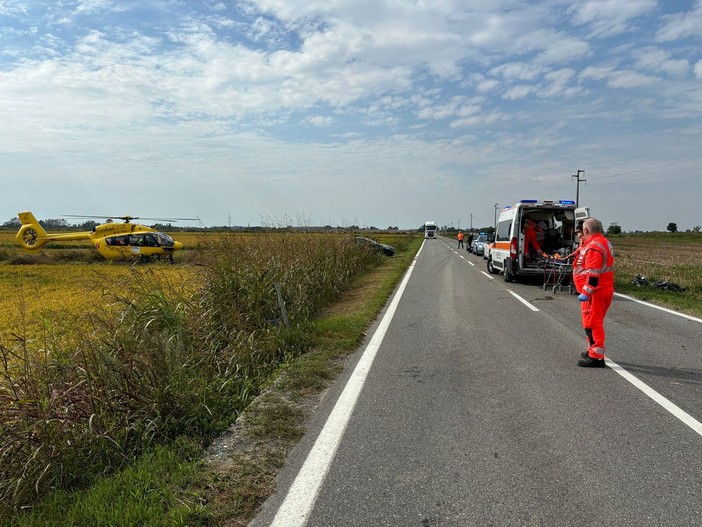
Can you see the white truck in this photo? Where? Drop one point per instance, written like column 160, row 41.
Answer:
column 431, row 229
column 556, row 222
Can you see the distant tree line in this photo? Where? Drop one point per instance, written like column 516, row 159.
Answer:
column 57, row 225
column 60, row 224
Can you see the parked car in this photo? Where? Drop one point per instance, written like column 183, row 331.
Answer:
column 479, row 243
column 387, row 250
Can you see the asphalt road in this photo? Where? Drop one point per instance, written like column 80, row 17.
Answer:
column 472, row 412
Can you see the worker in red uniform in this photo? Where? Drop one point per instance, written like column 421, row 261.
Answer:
column 460, row 239
column 593, row 274
column 531, row 245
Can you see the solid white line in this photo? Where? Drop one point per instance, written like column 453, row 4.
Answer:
column 658, row 307
column 665, row 403
column 527, row 304
column 489, row 276
column 298, row 504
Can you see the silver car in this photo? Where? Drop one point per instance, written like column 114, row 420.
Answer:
column 479, row 243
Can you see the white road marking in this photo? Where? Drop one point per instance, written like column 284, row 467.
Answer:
column 653, row 394
column 658, row 307
column 489, row 276
column 471, row 263
column 298, row 504
column 527, row 304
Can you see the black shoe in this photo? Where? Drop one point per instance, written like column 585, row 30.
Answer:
column 589, row 362
column 584, row 354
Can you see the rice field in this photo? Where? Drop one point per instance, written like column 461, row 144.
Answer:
column 62, row 281
column 31, row 293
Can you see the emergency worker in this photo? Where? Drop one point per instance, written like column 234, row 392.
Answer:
column 531, row 245
column 460, row 239
column 593, row 275
column 577, row 243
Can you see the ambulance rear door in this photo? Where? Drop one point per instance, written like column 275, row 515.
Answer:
column 581, row 213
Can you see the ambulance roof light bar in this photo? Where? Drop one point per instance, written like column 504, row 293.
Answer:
column 549, row 202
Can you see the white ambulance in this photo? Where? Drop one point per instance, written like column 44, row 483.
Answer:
column 555, row 222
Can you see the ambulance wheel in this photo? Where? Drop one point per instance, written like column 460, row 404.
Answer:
column 491, row 268
column 509, row 277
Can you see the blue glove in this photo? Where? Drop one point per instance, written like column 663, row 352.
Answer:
column 582, row 297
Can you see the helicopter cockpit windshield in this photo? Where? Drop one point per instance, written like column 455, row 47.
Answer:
column 165, row 240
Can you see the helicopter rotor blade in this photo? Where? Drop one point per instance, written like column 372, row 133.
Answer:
column 167, row 219
column 127, row 218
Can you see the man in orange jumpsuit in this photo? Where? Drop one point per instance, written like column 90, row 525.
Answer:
column 460, row 239
column 593, row 274
column 531, row 245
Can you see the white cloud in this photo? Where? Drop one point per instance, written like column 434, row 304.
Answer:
column 518, row 92
column 596, row 72
column 609, row 17
column 660, row 61
column 487, row 85
column 320, row 120
column 482, row 119
column 698, row 69
column 521, row 71
column 456, row 107
column 629, row 79
column 681, row 25
column 558, row 84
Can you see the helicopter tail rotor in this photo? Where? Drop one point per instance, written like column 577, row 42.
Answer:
column 31, row 235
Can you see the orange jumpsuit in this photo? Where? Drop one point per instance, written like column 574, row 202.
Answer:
column 530, row 241
column 593, row 274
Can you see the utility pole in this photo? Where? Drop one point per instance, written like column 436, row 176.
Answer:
column 471, row 222
column 577, row 188
column 496, row 207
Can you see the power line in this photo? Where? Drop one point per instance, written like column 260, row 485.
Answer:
column 663, row 162
column 648, row 177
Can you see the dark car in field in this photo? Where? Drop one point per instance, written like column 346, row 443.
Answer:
column 387, row 250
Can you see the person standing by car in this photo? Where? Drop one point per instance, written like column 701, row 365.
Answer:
column 593, row 274
column 460, row 239
column 469, row 245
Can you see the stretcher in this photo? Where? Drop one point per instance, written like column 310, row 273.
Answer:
column 558, row 275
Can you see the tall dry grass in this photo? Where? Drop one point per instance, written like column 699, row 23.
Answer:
column 162, row 359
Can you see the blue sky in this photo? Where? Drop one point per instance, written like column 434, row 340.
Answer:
column 367, row 112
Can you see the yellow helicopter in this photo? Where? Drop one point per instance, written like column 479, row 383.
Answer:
column 114, row 241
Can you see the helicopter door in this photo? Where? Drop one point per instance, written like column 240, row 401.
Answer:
column 150, row 240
